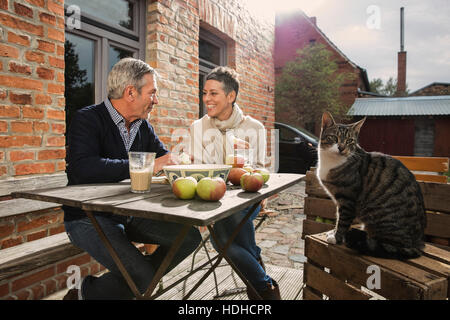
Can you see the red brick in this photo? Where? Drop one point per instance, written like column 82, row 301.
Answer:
column 60, row 77
column 19, row 39
column 6, row 229
column 61, row 165
column 3, row 94
column 4, row 4
column 56, row 142
column 56, row 62
column 51, row 154
column 39, row 126
column 23, row 295
column 59, row 128
column 44, row 73
column 35, row 56
column 3, row 126
column 19, row 82
column 36, row 235
column 4, row 290
column 46, row 46
column 19, row 98
column 55, row 88
column 38, row 291
column 19, row 155
column 55, row 7
column 9, row 111
column 11, row 242
column 16, row 23
column 8, row 51
column 33, row 112
column 55, row 34
column 32, row 278
column 56, row 230
column 47, row 18
column 19, row 141
column 39, row 3
column 43, row 99
column 34, row 168
column 22, row 126
column 19, row 68
column 56, row 114
column 22, row 10
column 50, row 287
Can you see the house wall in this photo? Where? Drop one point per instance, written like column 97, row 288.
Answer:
column 173, row 50
column 295, row 31
column 32, row 117
column 32, row 114
column 437, row 89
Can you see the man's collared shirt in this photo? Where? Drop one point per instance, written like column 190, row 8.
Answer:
column 127, row 137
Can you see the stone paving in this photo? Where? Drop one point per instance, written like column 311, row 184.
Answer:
column 279, row 237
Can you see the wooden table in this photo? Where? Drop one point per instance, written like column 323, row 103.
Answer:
column 161, row 204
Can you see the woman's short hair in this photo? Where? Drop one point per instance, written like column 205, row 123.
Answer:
column 227, row 76
column 128, row 71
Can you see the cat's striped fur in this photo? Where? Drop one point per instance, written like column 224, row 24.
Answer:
column 374, row 187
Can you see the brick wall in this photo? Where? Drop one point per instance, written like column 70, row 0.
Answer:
column 32, row 117
column 173, row 33
column 434, row 89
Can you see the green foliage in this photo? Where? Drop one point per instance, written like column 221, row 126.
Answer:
column 310, row 85
column 387, row 89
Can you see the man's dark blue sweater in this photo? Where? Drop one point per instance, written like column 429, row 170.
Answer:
column 96, row 152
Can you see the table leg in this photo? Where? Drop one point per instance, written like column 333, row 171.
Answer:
column 222, row 254
column 113, row 254
column 166, row 262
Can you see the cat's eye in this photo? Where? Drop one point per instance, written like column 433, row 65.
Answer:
column 331, row 139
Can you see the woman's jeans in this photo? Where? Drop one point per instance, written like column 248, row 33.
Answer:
column 243, row 251
column 141, row 268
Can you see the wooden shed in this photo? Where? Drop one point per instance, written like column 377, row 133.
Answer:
column 417, row 126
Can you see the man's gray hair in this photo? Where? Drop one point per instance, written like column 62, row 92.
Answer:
column 128, row 71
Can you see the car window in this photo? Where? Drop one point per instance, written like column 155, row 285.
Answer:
column 288, row 135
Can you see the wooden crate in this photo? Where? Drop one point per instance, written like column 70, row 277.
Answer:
column 337, row 272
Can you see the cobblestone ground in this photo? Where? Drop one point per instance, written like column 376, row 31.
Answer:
column 279, row 237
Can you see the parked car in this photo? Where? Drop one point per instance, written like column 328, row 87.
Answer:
column 297, row 149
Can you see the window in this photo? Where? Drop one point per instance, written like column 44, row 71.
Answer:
column 212, row 53
column 110, row 30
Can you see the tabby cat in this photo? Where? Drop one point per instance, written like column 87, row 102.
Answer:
column 374, row 187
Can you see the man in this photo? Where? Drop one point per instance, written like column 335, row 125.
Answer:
column 215, row 136
column 99, row 140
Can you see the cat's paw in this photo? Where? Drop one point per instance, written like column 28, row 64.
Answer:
column 331, row 238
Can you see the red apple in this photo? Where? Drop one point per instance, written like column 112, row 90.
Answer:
column 211, row 189
column 251, row 181
column 235, row 175
column 184, row 188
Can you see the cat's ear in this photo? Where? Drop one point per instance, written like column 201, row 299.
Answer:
column 357, row 125
column 327, row 120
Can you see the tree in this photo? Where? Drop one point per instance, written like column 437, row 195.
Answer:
column 387, row 89
column 309, row 85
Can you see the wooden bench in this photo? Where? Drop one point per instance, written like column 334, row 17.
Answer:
column 337, row 272
column 431, row 169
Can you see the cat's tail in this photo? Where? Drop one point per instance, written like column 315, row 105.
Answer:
column 357, row 240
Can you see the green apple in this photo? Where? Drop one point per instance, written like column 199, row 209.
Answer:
column 184, row 188
column 264, row 172
column 320, row 219
column 329, row 221
column 211, row 189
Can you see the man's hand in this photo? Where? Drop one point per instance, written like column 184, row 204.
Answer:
column 166, row 160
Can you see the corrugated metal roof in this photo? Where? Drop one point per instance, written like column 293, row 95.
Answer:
column 401, row 106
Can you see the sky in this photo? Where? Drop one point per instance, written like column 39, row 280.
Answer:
column 368, row 33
